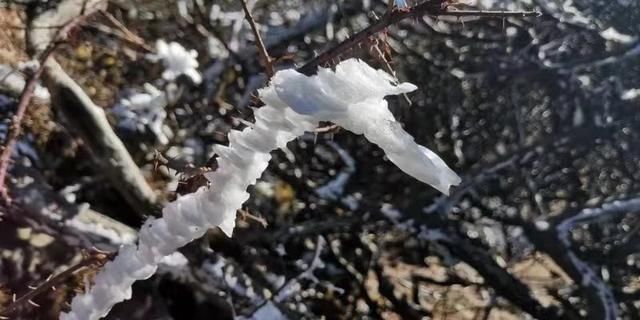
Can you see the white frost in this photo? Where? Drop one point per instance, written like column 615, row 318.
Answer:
column 142, row 111
column 177, row 61
column 352, row 96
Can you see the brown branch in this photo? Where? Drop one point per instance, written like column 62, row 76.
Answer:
column 262, row 50
column 94, row 259
column 430, row 7
column 25, row 98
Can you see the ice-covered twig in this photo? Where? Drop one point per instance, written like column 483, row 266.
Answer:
column 351, row 96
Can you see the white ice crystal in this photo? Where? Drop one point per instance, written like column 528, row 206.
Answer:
column 351, row 96
column 177, row 61
column 144, row 111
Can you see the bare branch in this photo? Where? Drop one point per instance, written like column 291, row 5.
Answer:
column 431, row 7
column 264, row 55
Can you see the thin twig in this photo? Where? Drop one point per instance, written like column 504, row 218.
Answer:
column 431, row 7
column 96, row 258
column 266, row 59
column 25, row 98
column 126, row 34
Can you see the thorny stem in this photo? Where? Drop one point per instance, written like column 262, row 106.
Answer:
column 94, row 259
column 430, row 7
column 23, row 102
column 268, row 63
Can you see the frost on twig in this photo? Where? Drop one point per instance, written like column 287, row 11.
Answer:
column 351, row 96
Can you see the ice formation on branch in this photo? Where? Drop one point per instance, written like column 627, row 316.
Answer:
column 351, row 96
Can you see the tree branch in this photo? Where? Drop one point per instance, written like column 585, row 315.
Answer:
column 430, row 7
column 262, row 50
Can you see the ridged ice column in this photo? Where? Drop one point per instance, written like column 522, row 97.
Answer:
column 352, row 96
